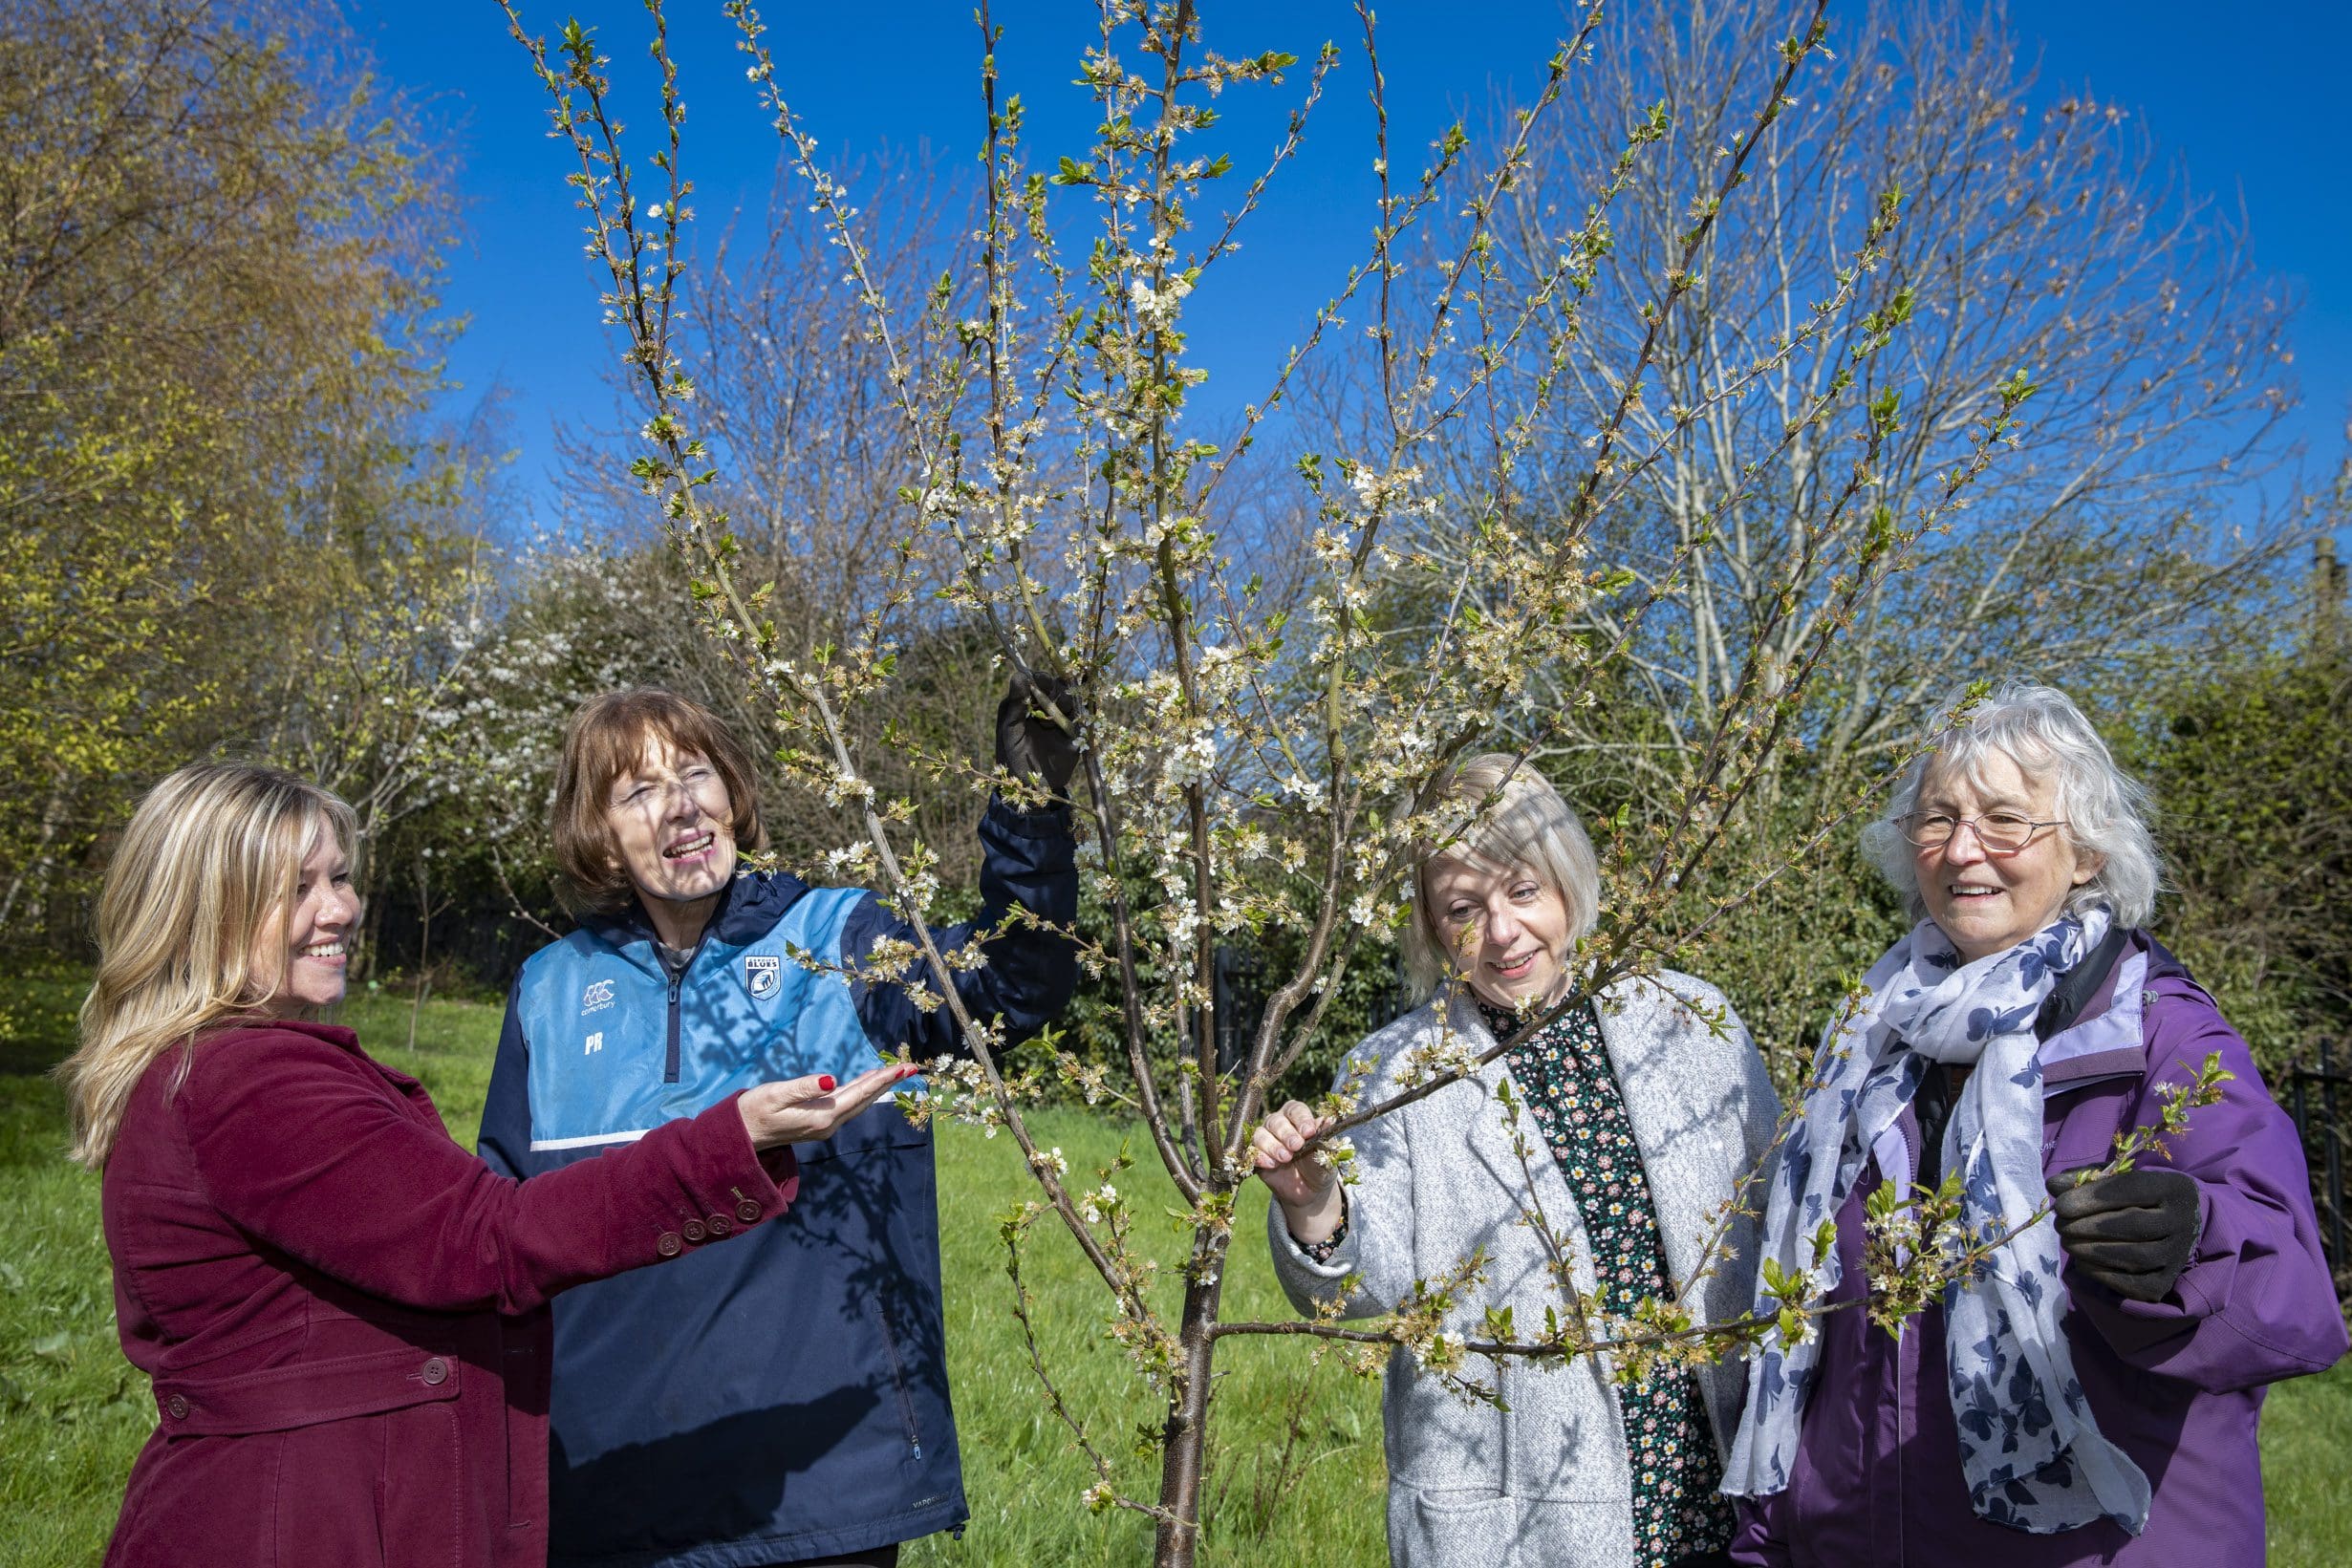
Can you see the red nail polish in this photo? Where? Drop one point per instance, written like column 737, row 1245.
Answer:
column 825, row 1083
column 906, row 1070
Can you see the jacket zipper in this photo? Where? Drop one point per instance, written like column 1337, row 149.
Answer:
column 1904, row 1360
column 899, row 1381
column 669, row 1070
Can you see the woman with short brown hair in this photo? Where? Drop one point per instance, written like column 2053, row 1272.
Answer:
column 607, row 737
column 805, row 1417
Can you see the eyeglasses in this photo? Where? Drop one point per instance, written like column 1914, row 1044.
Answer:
column 1998, row 832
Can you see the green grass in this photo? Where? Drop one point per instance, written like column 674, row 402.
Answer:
column 2306, row 1433
column 72, row 1411
column 1021, row 1471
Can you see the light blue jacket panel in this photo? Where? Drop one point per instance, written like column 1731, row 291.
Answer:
column 747, row 1013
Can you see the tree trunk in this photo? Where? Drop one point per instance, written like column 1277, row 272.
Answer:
column 424, row 946
column 36, row 867
column 1186, row 1442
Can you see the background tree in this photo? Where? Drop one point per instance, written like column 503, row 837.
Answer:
column 2052, row 242
column 2252, row 764
column 220, row 502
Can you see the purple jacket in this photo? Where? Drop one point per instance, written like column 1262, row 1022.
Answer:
column 2177, row 1384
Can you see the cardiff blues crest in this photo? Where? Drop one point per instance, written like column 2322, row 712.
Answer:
column 764, row 973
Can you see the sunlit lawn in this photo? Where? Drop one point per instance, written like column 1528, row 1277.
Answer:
column 72, row 1411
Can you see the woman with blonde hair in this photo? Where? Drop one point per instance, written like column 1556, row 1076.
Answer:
column 342, row 1311
column 1652, row 1105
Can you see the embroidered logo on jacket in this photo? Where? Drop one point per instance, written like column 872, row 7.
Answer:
column 765, row 971
column 597, row 997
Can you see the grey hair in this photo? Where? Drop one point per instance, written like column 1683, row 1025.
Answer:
column 1524, row 825
column 2106, row 811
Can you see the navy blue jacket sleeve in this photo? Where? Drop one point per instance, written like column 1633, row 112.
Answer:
column 1026, row 858
column 505, row 1142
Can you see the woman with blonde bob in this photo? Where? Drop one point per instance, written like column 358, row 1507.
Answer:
column 342, row 1309
column 1652, row 1105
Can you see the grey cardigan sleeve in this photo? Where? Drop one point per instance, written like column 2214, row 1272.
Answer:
column 1377, row 1250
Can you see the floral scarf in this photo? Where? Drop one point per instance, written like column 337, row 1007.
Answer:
column 2030, row 1449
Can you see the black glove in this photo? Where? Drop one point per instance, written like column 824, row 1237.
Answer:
column 2132, row 1233
column 1036, row 747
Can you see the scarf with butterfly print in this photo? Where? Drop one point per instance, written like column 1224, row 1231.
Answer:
column 2029, row 1448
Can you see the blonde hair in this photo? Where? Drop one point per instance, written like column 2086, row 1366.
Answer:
column 1526, row 825
column 213, row 855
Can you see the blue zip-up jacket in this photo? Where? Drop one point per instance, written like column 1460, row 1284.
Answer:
column 783, row 1396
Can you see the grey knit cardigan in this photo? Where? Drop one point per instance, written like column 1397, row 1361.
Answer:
column 1545, row 1480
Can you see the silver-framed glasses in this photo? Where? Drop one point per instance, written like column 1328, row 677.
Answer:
column 1998, row 832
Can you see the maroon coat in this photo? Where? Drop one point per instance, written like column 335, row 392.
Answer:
column 343, row 1311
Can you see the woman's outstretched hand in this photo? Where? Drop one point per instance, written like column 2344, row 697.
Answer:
column 1307, row 1188
column 801, row 1110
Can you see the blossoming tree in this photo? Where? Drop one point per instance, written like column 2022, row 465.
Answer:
column 1260, row 756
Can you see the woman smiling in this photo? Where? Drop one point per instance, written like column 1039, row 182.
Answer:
column 1649, row 1106
column 2089, row 1395
column 333, row 1299
column 786, row 1400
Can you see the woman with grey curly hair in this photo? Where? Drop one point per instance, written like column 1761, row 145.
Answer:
column 1652, row 1104
column 2101, row 813
column 2089, row 1394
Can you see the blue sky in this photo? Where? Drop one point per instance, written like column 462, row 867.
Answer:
column 2252, row 108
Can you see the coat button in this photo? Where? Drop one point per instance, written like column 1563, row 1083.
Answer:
column 748, row 1212
column 436, row 1372
column 694, row 1231
column 721, row 1225
column 668, row 1245
column 177, row 1407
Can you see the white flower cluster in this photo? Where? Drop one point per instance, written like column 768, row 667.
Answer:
column 1094, row 1206
column 1377, row 492
column 1450, row 1053
column 852, row 864
column 1157, row 310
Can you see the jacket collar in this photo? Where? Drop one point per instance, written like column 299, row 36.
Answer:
column 1684, row 1164
column 2091, row 1022
column 1657, row 1049
column 338, row 1034
column 749, row 908
column 2088, row 984
column 334, row 1034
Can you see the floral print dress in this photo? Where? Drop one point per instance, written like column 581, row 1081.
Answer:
column 1573, row 1100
